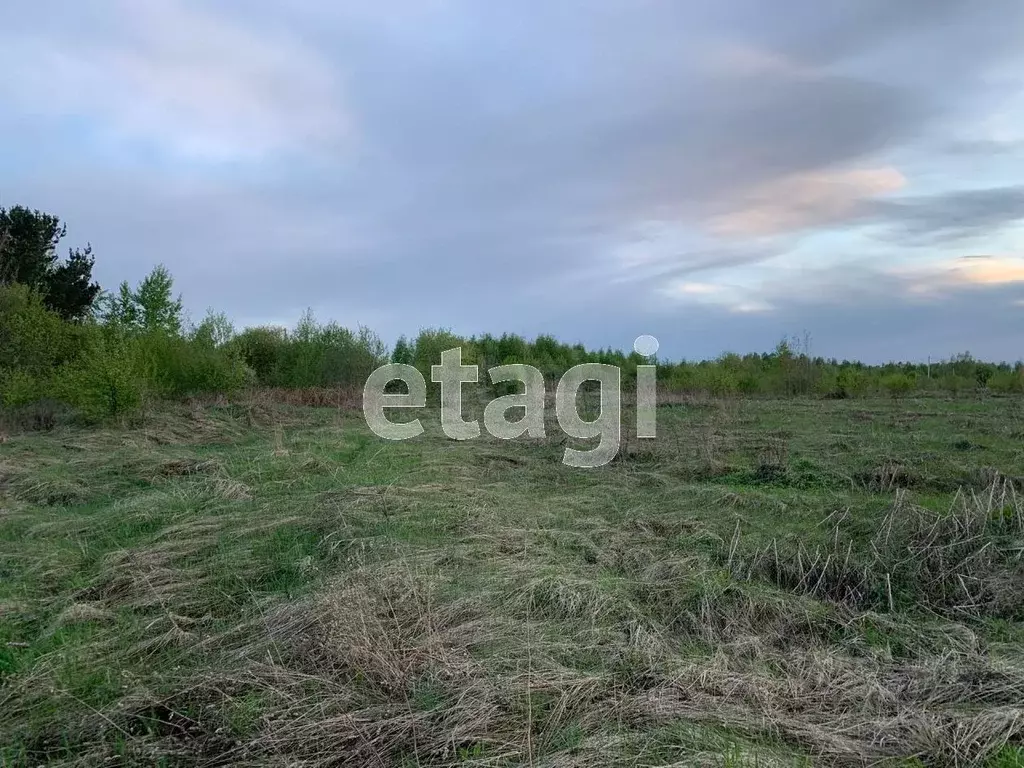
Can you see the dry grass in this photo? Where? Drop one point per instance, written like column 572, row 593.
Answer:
column 257, row 585
column 964, row 562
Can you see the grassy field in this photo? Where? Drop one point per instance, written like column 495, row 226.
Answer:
column 768, row 583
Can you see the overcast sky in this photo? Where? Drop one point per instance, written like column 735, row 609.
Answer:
column 717, row 174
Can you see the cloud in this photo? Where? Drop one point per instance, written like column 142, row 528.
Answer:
column 951, row 216
column 732, row 298
column 775, row 288
column 699, row 289
column 188, row 80
column 944, row 276
column 805, row 201
column 985, row 147
column 524, row 168
column 745, row 60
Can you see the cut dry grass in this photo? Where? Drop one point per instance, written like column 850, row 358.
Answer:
column 964, row 562
column 257, row 584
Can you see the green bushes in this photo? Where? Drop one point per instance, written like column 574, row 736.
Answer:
column 842, row 384
column 106, row 381
column 312, row 355
column 718, row 381
column 262, row 349
column 898, row 384
column 429, row 345
column 108, row 367
column 34, row 343
column 138, row 347
column 175, row 366
column 955, row 384
column 328, row 355
column 1008, row 382
column 119, row 372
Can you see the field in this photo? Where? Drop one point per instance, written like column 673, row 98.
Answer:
column 769, row 582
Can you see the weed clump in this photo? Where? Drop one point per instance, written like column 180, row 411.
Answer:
column 963, row 563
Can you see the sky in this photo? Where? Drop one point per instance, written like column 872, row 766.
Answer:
column 717, row 174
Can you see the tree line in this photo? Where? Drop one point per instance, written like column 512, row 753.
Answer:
column 103, row 353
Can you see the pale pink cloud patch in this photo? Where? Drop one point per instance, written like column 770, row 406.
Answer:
column 942, row 276
column 697, row 289
column 804, row 201
column 731, row 297
column 733, row 59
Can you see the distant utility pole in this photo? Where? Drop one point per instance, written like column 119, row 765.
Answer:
column 929, row 366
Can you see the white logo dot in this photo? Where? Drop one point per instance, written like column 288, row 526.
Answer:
column 646, row 345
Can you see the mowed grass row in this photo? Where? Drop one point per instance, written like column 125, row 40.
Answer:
column 766, row 583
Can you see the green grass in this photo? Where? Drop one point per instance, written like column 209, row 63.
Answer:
column 249, row 585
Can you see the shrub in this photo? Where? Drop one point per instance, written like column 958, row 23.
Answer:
column 898, row 384
column 328, row 355
column 34, row 339
column 431, row 342
column 1008, row 382
column 175, row 367
column 851, row 383
column 105, row 381
column 842, row 384
column 20, row 387
column 749, row 384
column 313, row 355
column 718, row 382
column 262, row 350
column 679, row 378
column 956, row 384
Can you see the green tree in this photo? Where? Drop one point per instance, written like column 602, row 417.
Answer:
column 28, row 255
column 404, row 352
column 158, row 309
column 215, row 331
column 263, row 349
column 150, row 307
column 118, row 310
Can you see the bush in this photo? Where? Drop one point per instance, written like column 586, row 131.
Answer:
column 105, row 381
column 20, row 387
column 717, row 381
column 33, row 339
column 956, row 384
column 851, row 383
column 329, row 355
column 1007, row 382
column 898, row 384
column 176, row 367
column 431, row 342
column 313, row 355
column 262, row 350
column 843, row 384
column 679, row 378
column 749, row 384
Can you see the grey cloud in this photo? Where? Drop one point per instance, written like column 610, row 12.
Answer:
column 851, row 312
column 881, row 327
column 984, row 148
column 953, row 216
column 499, row 153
